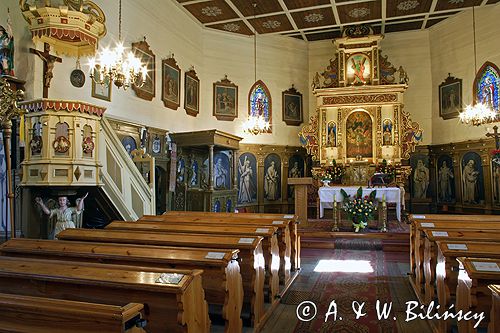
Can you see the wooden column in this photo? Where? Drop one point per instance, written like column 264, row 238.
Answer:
column 301, row 197
column 211, row 167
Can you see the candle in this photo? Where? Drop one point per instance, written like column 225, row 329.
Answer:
column 335, row 197
column 383, row 197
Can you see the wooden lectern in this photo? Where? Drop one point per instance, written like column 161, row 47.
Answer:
column 300, row 185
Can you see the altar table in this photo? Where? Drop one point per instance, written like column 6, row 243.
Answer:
column 327, row 194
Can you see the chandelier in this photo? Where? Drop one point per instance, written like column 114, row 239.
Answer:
column 256, row 123
column 478, row 113
column 116, row 65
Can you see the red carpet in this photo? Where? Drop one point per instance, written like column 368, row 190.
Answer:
column 344, row 288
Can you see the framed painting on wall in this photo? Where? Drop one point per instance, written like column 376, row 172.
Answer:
column 450, row 97
column 225, row 100
column 143, row 52
column 171, row 82
column 191, row 93
column 292, row 107
column 101, row 91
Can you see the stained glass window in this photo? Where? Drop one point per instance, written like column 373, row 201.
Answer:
column 260, row 101
column 487, row 86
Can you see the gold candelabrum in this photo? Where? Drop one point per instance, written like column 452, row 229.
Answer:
column 8, row 111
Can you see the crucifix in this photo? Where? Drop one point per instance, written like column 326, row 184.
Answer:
column 496, row 135
column 49, row 61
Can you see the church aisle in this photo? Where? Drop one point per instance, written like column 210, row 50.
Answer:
column 367, row 276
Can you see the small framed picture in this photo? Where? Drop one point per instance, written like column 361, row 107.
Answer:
column 171, row 83
column 450, row 97
column 292, row 107
column 101, row 91
column 191, row 93
column 143, row 52
column 225, row 100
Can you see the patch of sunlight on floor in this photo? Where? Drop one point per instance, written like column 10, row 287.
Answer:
column 345, row 266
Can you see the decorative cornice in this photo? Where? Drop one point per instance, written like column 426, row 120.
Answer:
column 360, row 99
column 60, row 105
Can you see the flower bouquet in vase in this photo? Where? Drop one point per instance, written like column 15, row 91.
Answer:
column 359, row 209
column 495, row 156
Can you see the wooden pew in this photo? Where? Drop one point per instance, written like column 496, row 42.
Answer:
column 429, row 260
column 417, row 254
column 447, row 268
column 28, row 314
column 221, row 272
column 472, row 290
column 494, row 326
column 169, row 307
column 251, row 266
column 430, row 218
column 269, row 243
column 284, row 226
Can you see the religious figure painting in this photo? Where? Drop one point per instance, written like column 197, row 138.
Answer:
column 358, row 69
column 225, row 100
column 359, row 135
column 247, row 179
column 171, row 82
column 129, row 144
column 272, row 177
column 101, row 91
column 191, row 93
column 472, row 179
column 445, row 179
column 450, row 97
column 331, row 134
column 222, row 176
column 145, row 90
column 486, row 86
column 387, row 132
column 421, row 176
column 292, row 107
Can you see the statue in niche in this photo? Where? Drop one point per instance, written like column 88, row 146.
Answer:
column 65, row 217
column 246, row 189
column 294, row 172
column 180, row 170
column 445, row 176
column 470, row 185
column 387, row 133
column 332, row 135
column 271, row 183
column 420, row 180
column 220, row 175
column 496, row 182
column 6, row 50
column 194, row 172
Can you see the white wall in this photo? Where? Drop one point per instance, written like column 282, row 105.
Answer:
column 427, row 56
column 451, row 50
column 281, row 62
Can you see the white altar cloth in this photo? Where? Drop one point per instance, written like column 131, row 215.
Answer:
column 327, row 194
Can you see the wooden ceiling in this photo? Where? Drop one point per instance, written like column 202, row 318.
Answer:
column 312, row 20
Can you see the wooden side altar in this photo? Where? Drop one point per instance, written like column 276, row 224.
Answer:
column 206, row 171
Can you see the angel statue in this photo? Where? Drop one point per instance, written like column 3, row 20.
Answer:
column 65, row 217
column 315, row 84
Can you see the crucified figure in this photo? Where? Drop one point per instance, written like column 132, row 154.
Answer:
column 49, row 61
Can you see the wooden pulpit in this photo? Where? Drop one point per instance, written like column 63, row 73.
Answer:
column 300, row 188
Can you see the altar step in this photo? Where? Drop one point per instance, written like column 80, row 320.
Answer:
column 386, row 241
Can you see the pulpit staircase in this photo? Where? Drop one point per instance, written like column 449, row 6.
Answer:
column 123, row 184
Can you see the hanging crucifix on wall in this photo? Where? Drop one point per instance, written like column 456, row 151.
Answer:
column 49, row 61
